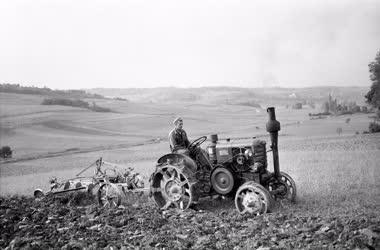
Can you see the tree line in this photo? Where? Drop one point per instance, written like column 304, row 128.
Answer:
column 72, row 93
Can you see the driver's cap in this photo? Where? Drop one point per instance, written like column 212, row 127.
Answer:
column 177, row 119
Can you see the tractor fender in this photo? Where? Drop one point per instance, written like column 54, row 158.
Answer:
column 175, row 158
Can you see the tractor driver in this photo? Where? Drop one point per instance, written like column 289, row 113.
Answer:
column 179, row 143
column 177, row 137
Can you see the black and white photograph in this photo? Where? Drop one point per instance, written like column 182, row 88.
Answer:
column 203, row 124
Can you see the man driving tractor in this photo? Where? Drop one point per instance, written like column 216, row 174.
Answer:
column 179, row 143
column 177, row 137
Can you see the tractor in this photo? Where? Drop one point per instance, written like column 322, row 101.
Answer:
column 226, row 168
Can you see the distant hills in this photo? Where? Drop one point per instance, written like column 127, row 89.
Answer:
column 255, row 97
column 235, row 96
column 70, row 93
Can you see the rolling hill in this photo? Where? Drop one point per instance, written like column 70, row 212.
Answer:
column 232, row 95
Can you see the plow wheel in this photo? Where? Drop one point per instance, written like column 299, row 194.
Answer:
column 252, row 198
column 109, row 195
column 283, row 188
column 171, row 186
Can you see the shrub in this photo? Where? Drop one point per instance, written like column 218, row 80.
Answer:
column 345, row 113
column 74, row 103
column 297, row 105
column 248, row 103
column 71, row 93
column 5, row 152
column 65, row 102
column 374, row 127
column 319, row 114
column 120, row 99
column 97, row 108
column 339, row 131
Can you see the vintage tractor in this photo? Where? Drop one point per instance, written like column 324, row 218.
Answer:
column 227, row 169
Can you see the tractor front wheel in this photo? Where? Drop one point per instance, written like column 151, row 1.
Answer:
column 252, row 198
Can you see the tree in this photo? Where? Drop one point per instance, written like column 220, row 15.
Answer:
column 5, row 152
column 325, row 107
column 373, row 95
column 339, row 131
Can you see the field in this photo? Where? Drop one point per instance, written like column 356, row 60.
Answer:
column 336, row 174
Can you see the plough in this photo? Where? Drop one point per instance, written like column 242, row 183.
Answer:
column 108, row 183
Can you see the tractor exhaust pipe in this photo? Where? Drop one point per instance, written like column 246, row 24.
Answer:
column 273, row 126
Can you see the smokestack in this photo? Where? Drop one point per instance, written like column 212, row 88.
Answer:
column 273, row 126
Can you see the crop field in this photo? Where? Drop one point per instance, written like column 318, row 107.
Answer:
column 334, row 173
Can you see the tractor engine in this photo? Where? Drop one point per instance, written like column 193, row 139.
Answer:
column 234, row 164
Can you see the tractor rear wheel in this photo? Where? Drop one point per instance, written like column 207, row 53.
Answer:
column 252, row 198
column 283, row 188
column 172, row 186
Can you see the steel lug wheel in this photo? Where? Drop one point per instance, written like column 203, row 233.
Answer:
column 283, row 188
column 171, row 187
column 252, row 198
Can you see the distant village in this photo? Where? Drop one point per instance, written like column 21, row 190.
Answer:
column 333, row 107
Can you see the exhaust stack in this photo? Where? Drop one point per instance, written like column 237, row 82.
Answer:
column 273, row 126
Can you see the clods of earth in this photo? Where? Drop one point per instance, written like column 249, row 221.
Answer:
column 76, row 222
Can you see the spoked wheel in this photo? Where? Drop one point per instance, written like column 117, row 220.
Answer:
column 171, row 187
column 252, row 198
column 283, row 188
column 109, row 195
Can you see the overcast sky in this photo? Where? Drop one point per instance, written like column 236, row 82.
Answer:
column 88, row 44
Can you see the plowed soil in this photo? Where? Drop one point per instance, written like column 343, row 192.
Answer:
column 76, row 222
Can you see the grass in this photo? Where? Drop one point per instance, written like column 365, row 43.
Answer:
column 328, row 181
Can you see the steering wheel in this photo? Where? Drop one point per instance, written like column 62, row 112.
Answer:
column 197, row 142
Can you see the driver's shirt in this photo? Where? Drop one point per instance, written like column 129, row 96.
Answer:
column 178, row 139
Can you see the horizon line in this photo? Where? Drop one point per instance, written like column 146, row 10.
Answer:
column 180, row 87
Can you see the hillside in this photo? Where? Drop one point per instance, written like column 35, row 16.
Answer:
column 31, row 90
column 232, row 95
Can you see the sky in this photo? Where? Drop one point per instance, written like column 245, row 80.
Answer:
column 75, row 44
